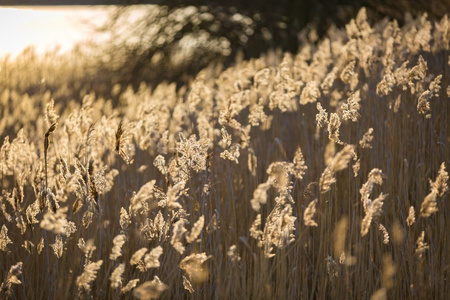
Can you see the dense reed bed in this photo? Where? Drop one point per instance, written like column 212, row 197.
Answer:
column 315, row 175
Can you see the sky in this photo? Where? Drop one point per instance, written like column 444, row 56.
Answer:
column 46, row 27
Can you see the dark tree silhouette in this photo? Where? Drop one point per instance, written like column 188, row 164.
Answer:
column 178, row 38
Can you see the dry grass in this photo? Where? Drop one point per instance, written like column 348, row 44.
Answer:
column 310, row 176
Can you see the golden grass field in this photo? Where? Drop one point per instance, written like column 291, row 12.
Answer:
column 315, row 175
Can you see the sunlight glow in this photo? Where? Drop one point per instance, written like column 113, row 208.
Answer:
column 46, row 27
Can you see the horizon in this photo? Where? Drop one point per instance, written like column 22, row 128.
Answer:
column 46, row 28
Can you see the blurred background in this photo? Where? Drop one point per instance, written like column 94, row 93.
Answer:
column 47, row 27
column 129, row 42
